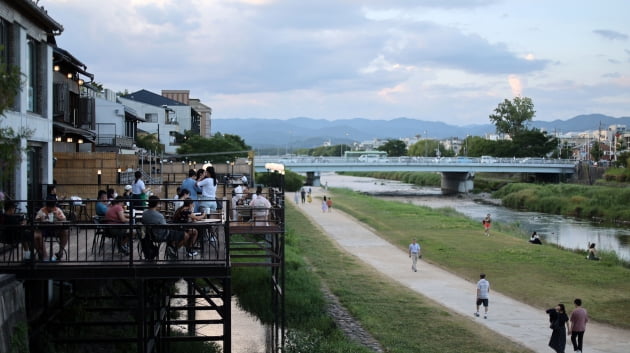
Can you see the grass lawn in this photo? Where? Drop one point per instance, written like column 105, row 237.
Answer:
column 400, row 319
column 538, row 275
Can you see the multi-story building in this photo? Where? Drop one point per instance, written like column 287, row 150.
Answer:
column 27, row 36
column 168, row 118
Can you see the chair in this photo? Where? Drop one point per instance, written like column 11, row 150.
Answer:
column 100, row 234
column 10, row 246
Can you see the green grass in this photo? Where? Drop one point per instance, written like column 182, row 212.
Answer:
column 538, row 275
column 582, row 201
column 420, row 325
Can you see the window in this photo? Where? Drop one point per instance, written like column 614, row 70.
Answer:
column 33, row 76
column 4, row 41
column 151, row 117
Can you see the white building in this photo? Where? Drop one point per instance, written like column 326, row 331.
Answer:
column 27, row 36
column 167, row 118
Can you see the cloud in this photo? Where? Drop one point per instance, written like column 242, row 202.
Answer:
column 516, row 85
column 612, row 35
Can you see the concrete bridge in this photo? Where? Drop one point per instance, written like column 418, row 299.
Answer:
column 457, row 172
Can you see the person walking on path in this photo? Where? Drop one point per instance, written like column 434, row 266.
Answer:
column 557, row 319
column 329, row 204
column 579, row 318
column 483, row 289
column 487, row 222
column 414, row 252
column 303, row 195
column 324, row 205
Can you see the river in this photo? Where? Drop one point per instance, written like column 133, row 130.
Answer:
column 563, row 231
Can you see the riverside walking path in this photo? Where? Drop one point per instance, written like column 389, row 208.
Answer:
column 517, row 321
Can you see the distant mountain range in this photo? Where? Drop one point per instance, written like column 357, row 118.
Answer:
column 309, row 133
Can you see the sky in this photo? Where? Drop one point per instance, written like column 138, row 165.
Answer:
column 437, row 60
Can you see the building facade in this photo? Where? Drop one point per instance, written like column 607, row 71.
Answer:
column 27, row 36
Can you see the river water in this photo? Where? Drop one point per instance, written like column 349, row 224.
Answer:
column 563, row 231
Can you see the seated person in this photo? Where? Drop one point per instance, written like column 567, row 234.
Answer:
column 50, row 213
column 592, row 254
column 535, row 239
column 182, row 195
column 116, row 215
column 185, row 214
column 13, row 233
column 101, row 204
column 174, row 238
column 260, row 206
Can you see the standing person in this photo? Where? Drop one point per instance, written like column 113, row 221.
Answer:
column 329, row 204
column 557, row 319
column 483, row 290
column 190, row 184
column 579, row 318
column 244, row 180
column 208, row 187
column 303, row 195
column 487, row 222
column 414, row 253
column 138, row 190
column 324, row 205
column 296, row 198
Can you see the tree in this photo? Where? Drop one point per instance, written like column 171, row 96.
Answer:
column 394, row 148
column 429, row 148
column 510, row 116
column 10, row 81
column 233, row 146
column 149, row 142
column 10, row 151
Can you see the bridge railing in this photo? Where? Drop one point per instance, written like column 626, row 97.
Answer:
column 406, row 160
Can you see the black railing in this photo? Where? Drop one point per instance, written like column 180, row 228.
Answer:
column 87, row 239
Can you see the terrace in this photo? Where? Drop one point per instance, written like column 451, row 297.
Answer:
column 232, row 236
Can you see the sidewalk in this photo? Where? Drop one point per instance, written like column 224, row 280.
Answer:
column 519, row 322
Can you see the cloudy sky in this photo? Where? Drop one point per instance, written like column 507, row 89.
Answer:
column 436, row 60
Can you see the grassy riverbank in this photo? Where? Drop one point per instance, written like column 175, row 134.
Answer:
column 582, row 201
column 312, row 259
column 537, row 275
column 420, row 325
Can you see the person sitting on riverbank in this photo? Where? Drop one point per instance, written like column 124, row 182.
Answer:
column 592, row 253
column 535, row 239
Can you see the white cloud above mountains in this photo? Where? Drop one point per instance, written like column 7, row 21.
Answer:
column 450, row 61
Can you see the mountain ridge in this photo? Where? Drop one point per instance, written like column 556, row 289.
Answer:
column 304, row 132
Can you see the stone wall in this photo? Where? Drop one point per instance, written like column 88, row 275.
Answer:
column 12, row 311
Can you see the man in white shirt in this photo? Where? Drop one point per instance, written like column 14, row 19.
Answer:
column 414, row 253
column 260, row 206
column 483, row 289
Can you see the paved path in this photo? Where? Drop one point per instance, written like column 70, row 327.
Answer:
column 519, row 322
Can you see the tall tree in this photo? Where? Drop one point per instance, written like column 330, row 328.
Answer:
column 510, row 116
column 394, row 148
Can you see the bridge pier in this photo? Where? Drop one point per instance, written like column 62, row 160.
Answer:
column 313, row 179
column 457, row 182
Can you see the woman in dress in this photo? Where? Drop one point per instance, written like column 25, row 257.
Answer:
column 324, row 205
column 558, row 319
